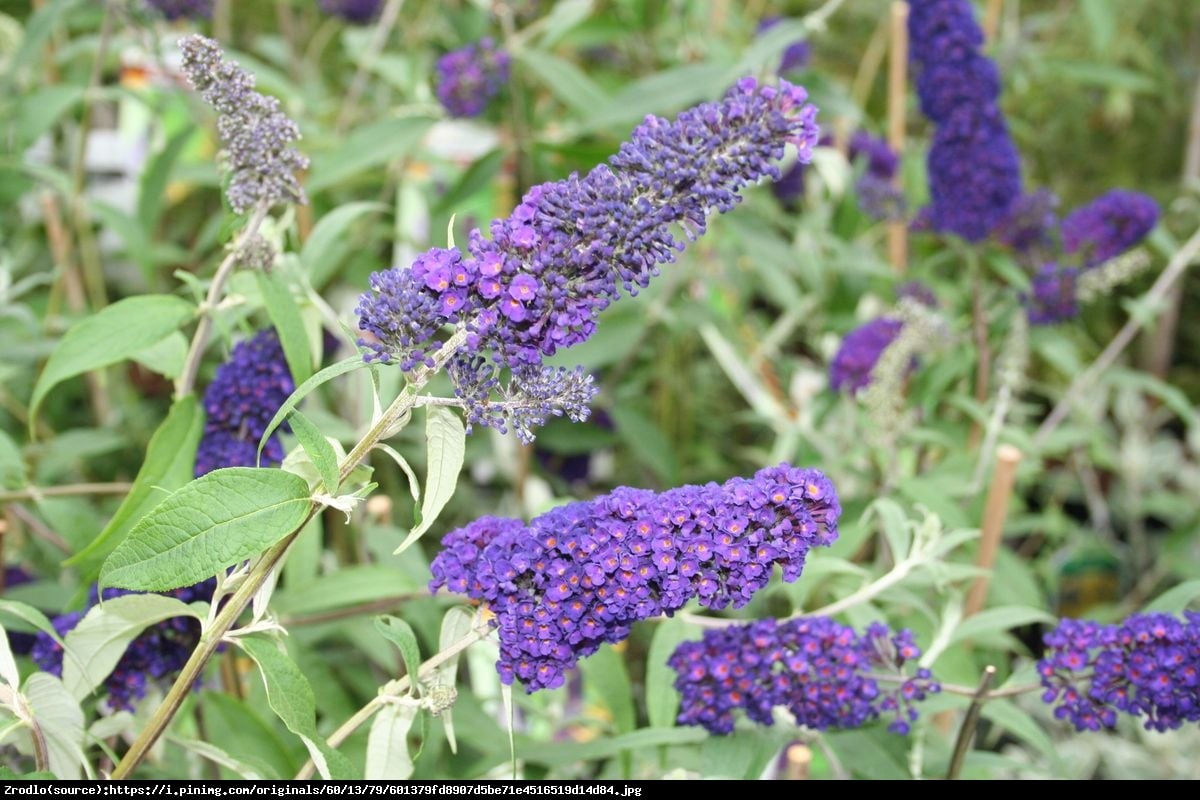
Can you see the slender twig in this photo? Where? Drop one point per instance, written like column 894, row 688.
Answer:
column 1152, row 300
column 383, row 29
column 39, row 528
column 214, row 634
column 960, row 689
column 191, row 365
column 393, row 689
column 967, row 732
column 71, row 490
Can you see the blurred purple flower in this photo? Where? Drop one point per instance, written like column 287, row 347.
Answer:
column 180, row 9
column 797, row 54
column 1054, row 296
column 860, row 351
column 823, row 672
column 1109, row 225
column 471, row 76
column 359, row 12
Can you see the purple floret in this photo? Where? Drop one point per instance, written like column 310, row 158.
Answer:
column 245, row 394
column 819, row 670
column 582, row 574
column 1109, row 225
column 860, row 351
column 468, row 78
column 1148, row 667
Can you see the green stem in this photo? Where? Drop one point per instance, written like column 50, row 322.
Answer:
column 191, row 365
column 211, row 639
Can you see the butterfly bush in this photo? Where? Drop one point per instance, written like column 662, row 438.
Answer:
column 245, row 394
column 359, row 12
column 824, row 673
column 974, row 168
column 180, row 9
column 582, row 574
column 1148, row 666
column 468, row 78
column 256, row 135
column 155, row 656
column 1053, row 296
column 567, row 250
column 877, row 197
column 1108, row 226
column 859, row 353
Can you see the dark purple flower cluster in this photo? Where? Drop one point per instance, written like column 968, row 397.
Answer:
column 796, row 55
column 1054, row 296
column 1148, row 666
column 179, row 9
column 582, row 574
column 469, row 77
column 1109, row 225
column 256, row 135
column 245, row 394
column 19, row 642
column 974, row 168
column 1030, row 228
column 564, row 253
column 359, row 12
column 157, row 654
column 860, row 351
column 877, row 196
column 824, row 673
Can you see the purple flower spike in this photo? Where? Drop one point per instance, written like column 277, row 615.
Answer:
column 974, row 169
column 820, row 671
column 471, row 76
column 183, row 9
column 357, row 12
column 582, row 574
column 1109, row 225
column 860, row 351
column 240, row 402
column 1148, row 666
column 570, row 247
column 155, row 656
column 1055, row 295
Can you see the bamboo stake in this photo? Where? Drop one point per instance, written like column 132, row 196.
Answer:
column 897, row 235
column 994, row 513
column 991, row 20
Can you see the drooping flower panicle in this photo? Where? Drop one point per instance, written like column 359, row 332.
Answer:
column 358, row 12
column 824, row 673
column 1148, row 667
column 157, row 654
column 1109, row 225
column 582, row 574
column 859, row 353
column 469, row 77
column 245, row 394
column 256, row 135
column 974, row 168
column 564, row 253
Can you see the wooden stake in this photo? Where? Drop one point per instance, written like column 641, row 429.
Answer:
column 797, row 762
column 897, row 113
column 994, row 513
column 991, row 20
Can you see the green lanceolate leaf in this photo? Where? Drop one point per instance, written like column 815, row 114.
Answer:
column 285, row 315
column 292, row 699
column 457, row 623
column 329, row 373
column 114, row 334
column 214, row 522
column 96, row 644
column 12, row 464
column 60, row 719
column 446, row 441
column 170, row 460
column 388, row 758
column 400, row 633
column 319, row 450
column 324, row 249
